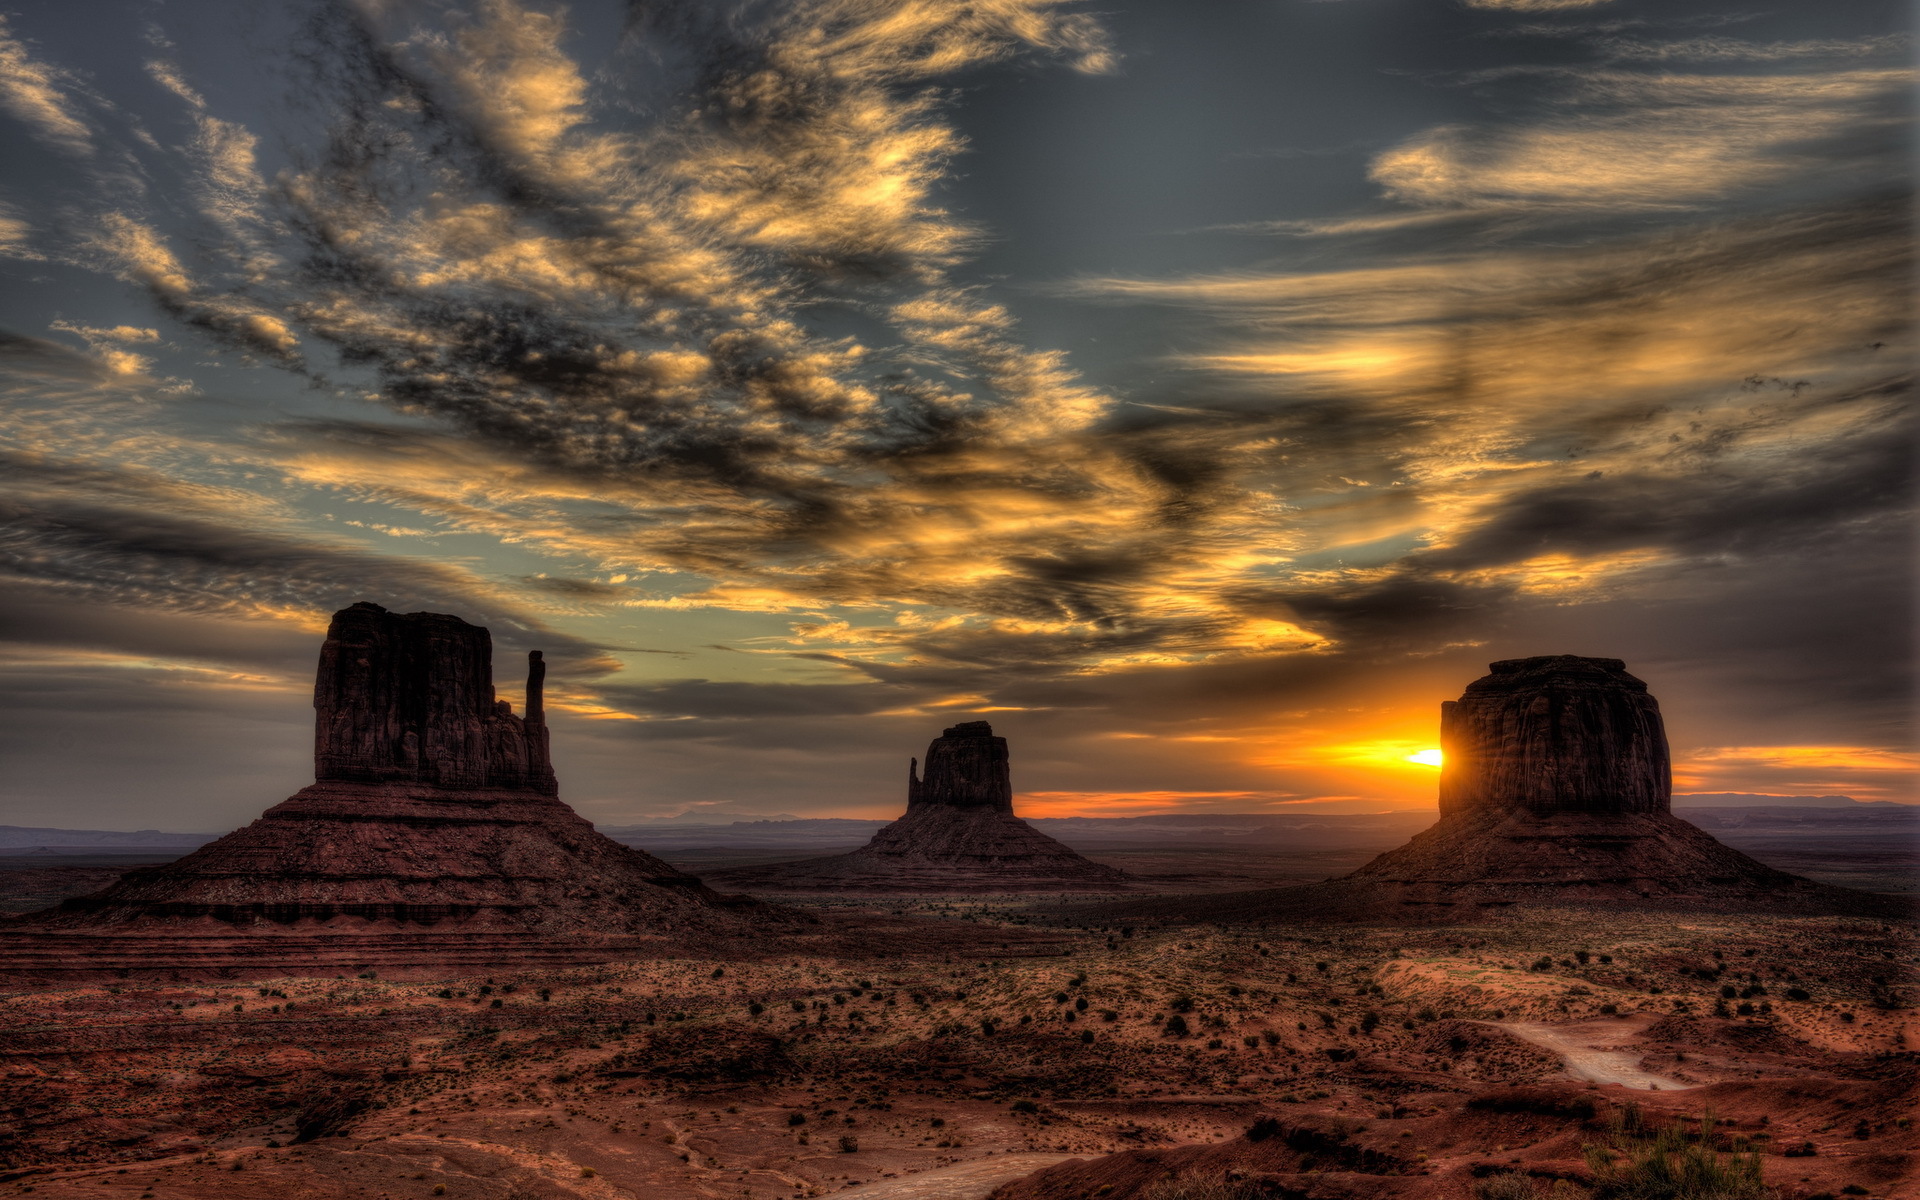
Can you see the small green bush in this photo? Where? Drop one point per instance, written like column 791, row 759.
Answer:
column 1668, row 1164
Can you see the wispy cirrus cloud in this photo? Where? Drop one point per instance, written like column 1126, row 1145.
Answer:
column 38, row 95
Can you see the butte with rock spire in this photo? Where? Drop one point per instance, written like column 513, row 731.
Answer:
column 1555, row 790
column 432, row 837
column 959, row 834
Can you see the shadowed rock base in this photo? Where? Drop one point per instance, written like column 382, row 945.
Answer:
column 395, row 877
column 938, row 850
column 1492, row 864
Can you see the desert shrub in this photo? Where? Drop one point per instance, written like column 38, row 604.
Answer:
column 849, row 1144
column 1539, row 1101
column 1025, row 1106
column 1507, row 1185
column 1177, row 1026
column 1196, row 1186
column 1667, row 1164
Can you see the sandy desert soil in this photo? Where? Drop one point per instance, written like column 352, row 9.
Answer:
column 801, row 1075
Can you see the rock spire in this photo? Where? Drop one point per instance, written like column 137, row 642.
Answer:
column 959, row 834
column 967, row 768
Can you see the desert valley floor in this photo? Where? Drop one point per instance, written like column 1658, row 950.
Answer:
column 1013, row 1047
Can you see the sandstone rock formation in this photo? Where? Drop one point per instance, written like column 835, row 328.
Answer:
column 408, row 698
column 433, row 835
column 1555, row 789
column 959, row 834
column 1558, row 734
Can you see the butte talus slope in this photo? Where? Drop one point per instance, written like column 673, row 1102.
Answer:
column 959, row 834
column 1555, row 790
column 433, row 831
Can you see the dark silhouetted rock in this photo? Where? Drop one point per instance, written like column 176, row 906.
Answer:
column 408, row 698
column 432, row 837
column 1554, row 734
column 959, row 834
column 1555, row 790
column 967, row 768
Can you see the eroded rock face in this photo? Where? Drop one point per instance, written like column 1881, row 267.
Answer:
column 967, row 767
column 408, row 698
column 1555, row 734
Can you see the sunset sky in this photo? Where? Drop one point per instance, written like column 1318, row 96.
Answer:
column 1200, row 392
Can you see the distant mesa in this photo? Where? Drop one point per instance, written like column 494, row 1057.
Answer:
column 433, row 831
column 1556, row 789
column 959, row 834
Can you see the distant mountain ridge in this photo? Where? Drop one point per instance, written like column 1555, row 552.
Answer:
column 1762, row 800
column 27, row 837
column 1306, row 826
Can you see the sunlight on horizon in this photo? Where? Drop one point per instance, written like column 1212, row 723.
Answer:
column 1426, row 758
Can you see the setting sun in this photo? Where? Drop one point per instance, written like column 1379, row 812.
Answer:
column 1426, row 758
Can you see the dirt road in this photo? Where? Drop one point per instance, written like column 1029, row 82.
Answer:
column 1592, row 1051
column 961, row 1181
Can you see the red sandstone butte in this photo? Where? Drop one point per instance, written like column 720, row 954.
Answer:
column 1556, row 790
column 959, row 834
column 432, row 838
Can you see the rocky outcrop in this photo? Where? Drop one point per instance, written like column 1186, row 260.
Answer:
column 967, row 768
column 1558, row 734
column 432, row 834
column 408, row 698
column 1555, row 791
column 959, row 834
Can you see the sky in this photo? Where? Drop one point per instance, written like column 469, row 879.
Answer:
column 1199, row 392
